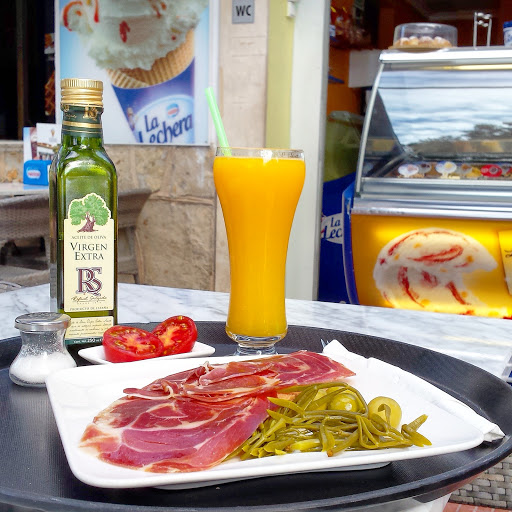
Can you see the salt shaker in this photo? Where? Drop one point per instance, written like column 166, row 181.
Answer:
column 42, row 348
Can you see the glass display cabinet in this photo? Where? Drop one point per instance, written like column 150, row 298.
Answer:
column 428, row 222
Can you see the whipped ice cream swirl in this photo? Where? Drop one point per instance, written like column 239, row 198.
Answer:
column 131, row 33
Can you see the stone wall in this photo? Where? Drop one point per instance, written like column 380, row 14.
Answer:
column 176, row 228
column 493, row 488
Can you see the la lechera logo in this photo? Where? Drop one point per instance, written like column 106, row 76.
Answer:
column 173, row 110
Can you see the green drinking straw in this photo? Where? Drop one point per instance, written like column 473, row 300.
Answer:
column 217, row 120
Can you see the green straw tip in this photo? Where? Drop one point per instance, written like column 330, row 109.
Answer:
column 217, row 120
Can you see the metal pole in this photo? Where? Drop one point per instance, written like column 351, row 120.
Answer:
column 474, row 28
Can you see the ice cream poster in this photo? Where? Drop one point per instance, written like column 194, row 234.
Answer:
column 440, row 265
column 153, row 57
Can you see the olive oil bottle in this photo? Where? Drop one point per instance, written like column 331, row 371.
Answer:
column 83, row 218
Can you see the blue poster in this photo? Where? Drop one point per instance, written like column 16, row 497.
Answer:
column 153, row 57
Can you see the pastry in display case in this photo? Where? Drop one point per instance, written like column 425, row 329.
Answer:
column 428, row 221
column 424, row 36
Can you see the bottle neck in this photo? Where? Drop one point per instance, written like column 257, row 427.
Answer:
column 81, row 125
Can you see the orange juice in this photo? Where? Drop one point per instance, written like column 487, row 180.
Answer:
column 258, row 199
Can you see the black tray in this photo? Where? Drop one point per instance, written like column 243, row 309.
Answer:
column 34, row 472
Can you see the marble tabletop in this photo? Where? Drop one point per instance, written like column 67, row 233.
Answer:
column 484, row 342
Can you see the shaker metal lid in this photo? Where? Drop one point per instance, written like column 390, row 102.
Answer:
column 42, row 321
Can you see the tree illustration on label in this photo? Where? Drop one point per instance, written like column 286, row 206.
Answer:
column 92, row 209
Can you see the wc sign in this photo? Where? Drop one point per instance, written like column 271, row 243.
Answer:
column 243, row 11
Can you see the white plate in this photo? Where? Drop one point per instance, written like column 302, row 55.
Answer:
column 78, row 394
column 96, row 355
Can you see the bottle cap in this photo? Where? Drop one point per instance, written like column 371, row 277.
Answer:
column 81, row 92
column 42, row 321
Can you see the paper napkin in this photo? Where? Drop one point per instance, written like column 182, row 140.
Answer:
column 439, row 398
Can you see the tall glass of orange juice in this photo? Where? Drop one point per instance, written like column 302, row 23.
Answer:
column 258, row 191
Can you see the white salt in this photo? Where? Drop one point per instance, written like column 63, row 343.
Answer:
column 33, row 369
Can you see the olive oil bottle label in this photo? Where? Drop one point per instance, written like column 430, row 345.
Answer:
column 88, row 329
column 88, row 264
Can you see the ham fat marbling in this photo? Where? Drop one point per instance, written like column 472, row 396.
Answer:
column 194, row 419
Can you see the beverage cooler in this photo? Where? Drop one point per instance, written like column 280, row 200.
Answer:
column 428, row 221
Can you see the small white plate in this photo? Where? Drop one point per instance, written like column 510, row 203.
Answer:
column 78, row 394
column 96, row 355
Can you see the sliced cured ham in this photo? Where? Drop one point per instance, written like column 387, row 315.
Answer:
column 213, row 383
column 171, row 435
column 194, row 419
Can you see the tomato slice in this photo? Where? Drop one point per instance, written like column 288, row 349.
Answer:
column 123, row 344
column 177, row 333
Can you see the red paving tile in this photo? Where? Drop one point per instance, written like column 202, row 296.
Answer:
column 457, row 507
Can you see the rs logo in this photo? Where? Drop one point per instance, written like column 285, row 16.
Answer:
column 87, row 280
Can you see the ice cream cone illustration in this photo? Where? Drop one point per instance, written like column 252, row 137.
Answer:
column 147, row 49
column 163, row 69
column 425, row 269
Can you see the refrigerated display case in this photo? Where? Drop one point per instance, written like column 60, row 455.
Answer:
column 428, row 221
